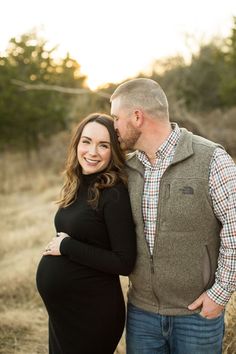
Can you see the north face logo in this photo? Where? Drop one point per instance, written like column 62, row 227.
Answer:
column 187, row 190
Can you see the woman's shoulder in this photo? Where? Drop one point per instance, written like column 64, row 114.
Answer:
column 115, row 192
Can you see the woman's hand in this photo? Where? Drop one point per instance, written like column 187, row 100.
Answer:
column 53, row 248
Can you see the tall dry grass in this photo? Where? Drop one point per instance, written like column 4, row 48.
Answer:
column 27, row 190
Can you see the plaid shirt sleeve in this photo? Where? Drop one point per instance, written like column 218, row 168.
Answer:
column 222, row 188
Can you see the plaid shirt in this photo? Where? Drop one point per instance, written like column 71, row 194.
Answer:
column 222, row 189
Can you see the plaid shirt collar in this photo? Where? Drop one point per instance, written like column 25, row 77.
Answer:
column 166, row 149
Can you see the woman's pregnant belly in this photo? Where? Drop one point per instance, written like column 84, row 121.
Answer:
column 59, row 279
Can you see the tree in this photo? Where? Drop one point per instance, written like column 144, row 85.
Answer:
column 228, row 84
column 29, row 116
column 201, row 84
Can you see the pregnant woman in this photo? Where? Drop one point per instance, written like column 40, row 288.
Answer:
column 78, row 275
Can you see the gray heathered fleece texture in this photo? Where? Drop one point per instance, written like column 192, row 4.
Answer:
column 187, row 238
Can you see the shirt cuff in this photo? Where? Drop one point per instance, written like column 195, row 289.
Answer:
column 219, row 294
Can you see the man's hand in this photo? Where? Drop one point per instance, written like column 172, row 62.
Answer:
column 53, row 248
column 209, row 308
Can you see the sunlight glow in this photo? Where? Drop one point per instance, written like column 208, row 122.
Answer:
column 114, row 40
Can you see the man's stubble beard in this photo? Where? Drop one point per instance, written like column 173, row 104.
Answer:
column 131, row 138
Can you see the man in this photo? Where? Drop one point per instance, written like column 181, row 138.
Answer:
column 183, row 194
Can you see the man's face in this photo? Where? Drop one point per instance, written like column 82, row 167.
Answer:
column 127, row 132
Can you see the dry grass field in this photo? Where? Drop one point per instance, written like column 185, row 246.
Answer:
column 26, row 222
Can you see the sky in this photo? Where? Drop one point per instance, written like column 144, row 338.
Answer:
column 116, row 39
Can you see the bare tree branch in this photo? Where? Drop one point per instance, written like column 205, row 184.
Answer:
column 74, row 91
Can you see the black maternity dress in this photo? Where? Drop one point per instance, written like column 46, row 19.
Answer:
column 81, row 289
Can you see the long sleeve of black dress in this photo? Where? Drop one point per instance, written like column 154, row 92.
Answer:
column 114, row 254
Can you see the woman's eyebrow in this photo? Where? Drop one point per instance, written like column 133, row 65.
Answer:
column 84, row 136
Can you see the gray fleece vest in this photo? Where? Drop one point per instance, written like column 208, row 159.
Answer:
column 187, row 240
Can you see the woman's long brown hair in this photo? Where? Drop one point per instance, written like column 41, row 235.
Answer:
column 113, row 173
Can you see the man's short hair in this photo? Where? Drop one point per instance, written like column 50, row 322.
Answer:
column 142, row 93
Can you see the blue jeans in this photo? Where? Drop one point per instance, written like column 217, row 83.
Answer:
column 151, row 333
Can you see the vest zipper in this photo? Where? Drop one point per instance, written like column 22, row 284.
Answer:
column 152, row 266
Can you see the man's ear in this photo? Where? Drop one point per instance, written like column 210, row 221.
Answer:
column 138, row 118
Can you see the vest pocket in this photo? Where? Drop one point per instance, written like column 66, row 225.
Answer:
column 188, row 271
column 206, row 271
column 182, row 203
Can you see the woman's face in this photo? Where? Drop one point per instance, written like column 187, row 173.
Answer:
column 94, row 148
